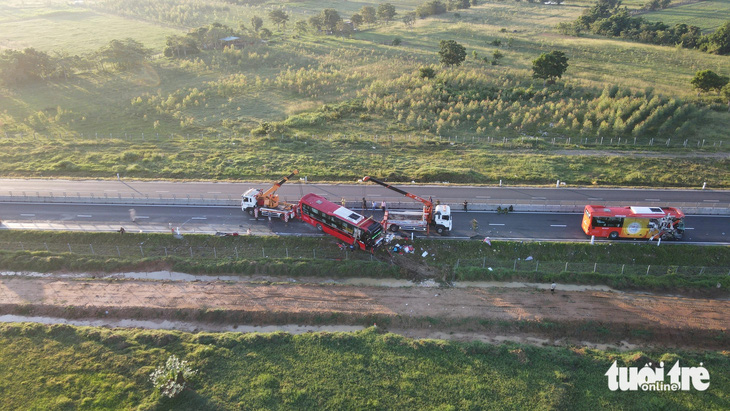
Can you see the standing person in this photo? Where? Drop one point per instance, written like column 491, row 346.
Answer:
column 343, row 202
column 465, row 205
column 364, row 204
column 552, row 287
column 375, row 205
column 133, row 215
column 382, row 205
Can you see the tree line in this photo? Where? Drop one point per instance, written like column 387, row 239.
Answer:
column 608, row 18
column 18, row 67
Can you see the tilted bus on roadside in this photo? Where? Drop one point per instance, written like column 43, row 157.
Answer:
column 637, row 222
column 340, row 222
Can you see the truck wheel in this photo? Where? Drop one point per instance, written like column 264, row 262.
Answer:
column 249, row 211
column 319, row 227
column 613, row 235
column 394, row 228
column 440, row 229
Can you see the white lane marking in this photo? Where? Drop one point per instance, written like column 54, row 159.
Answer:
column 539, row 198
column 27, row 215
column 711, row 201
column 199, row 218
column 594, row 198
column 84, row 215
column 689, row 228
column 558, row 225
column 214, row 192
column 483, row 196
column 161, row 191
column 143, row 216
column 652, row 199
column 496, row 224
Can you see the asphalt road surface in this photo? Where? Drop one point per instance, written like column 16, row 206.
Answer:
column 514, row 226
column 295, row 189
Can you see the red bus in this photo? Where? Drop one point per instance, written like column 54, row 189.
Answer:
column 633, row 222
column 340, row 222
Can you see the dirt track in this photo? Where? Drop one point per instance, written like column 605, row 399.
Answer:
column 526, row 304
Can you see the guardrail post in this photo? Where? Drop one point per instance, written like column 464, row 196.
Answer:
column 594, row 267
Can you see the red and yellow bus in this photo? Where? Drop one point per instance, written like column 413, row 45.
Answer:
column 633, row 222
column 340, row 222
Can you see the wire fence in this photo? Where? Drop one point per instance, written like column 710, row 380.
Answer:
column 584, row 267
column 249, row 252
column 503, row 141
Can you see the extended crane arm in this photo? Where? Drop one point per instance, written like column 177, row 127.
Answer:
column 428, row 204
column 276, row 186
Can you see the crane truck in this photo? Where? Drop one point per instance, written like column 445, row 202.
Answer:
column 438, row 216
column 257, row 202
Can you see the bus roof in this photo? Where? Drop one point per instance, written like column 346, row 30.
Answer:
column 633, row 211
column 322, row 204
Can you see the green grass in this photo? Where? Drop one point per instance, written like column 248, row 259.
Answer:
column 286, row 83
column 707, row 15
column 65, row 367
column 617, row 265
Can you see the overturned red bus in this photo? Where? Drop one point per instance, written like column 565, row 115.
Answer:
column 633, row 222
column 340, row 222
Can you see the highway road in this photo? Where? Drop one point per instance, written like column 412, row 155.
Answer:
column 354, row 193
column 211, row 219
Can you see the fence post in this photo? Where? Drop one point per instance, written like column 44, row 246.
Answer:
column 622, row 268
column 594, row 267
column 263, row 253
column 236, row 250
column 92, row 249
column 119, row 254
column 165, row 251
column 566, row 266
column 141, row 251
column 215, row 254
column 647, row 269
column 69, row 248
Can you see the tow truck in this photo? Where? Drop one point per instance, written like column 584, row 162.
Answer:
column 257, row 202
column 438, row 217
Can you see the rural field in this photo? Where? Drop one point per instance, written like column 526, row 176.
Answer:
column 339, row 106
column 250, row 89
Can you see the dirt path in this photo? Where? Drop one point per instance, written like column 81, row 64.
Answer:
column 496, row 304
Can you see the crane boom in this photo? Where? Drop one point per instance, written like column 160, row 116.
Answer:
column 428, row 206
column 276, row 186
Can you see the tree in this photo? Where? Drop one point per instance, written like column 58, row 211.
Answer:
column 279, row 17
column 330, row 18
column 256, row 23
column 316, row 22
column 409, row 18
column 426, row 72
column 720, row 40
column 356, row 20
column 18, row 67
column 123, row 54
column 386, row 11
column 344, row 29
column 550, row 66
column 496, row 56
column 451, row 53
column 706, row 80
column 368, row 14
column 300, row 26
column 725, row 92
column 171, row 378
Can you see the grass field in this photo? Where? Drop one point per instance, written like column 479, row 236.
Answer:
column 617, row 265
column 312, row 86
column 707, row 15
column 43, row 368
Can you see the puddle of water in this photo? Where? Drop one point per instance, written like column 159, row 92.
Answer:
column 180, row 325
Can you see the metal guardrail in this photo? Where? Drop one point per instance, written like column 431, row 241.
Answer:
column 562, row 206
